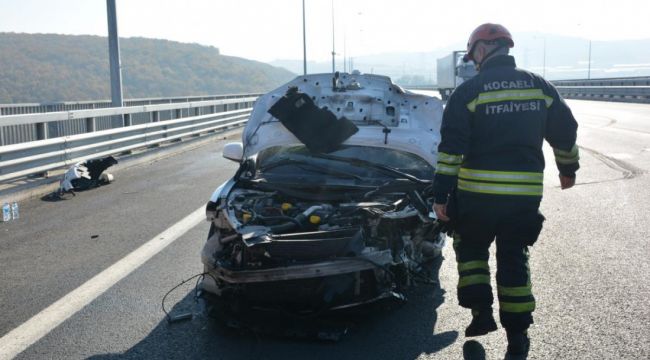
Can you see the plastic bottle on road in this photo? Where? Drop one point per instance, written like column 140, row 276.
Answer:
column 6, row 212
column 15, row 213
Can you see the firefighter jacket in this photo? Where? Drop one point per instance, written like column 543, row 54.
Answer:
column 493, row 129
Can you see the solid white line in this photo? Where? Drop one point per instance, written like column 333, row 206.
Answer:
column 22, row 337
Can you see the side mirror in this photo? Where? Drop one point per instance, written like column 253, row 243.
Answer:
column 233, row 151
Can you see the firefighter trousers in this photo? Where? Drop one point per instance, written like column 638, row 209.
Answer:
column 515, row 222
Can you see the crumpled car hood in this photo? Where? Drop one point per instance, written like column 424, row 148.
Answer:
column 372, row 102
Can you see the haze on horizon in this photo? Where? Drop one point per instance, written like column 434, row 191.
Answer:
column 268, row 30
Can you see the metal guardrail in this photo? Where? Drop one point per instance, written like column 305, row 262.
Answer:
column 22, row 133
column 626, row 81
column 630, row 89
column 633, row 94
column 36, row 157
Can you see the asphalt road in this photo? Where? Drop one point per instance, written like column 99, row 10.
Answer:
column 589, row 269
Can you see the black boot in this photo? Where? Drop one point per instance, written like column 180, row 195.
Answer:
column 482, row 323
column 518, row 343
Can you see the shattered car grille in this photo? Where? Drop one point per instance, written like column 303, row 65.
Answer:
column 307, row 245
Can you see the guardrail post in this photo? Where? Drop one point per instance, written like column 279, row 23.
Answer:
column 178, row 113
column 155, row 117
column 127, row 120
column 41, row 131
column 41, row 134
column 90, row 125
column 213, row 109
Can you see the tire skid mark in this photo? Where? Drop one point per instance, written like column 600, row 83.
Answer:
column 611, row 121
column 594, row 182
column 610, row 127
column 610, row 124
column 629, row 171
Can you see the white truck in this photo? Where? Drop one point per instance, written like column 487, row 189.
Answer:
column 453, row 71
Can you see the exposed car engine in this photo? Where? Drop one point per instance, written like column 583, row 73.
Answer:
column 382, row 241
column 266, row 220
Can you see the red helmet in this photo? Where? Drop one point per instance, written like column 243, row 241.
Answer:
column 487, row 32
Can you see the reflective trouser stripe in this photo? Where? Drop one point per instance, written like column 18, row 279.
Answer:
column 468, row 280
column 502, row 176
column 509, row 95
column 517, row 299
column 567, row 157
column 450, row 158
column 447, row 169
column 471, row 265
column 500, row 189
column 515, row 291
column 517, row 307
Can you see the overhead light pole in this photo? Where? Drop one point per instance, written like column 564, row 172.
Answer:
column 359, row 40
column 345, row 49
column 544, row 64
column 333, row 43
column 589, row 63
column 304, row 40
column 114, row 58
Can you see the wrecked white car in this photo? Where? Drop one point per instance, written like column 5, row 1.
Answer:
column 330, row 207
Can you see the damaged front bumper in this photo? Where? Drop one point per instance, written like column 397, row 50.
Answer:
column 372, row 260
column 333, row 284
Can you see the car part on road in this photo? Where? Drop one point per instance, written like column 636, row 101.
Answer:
column 186, row 315
column 83, row 176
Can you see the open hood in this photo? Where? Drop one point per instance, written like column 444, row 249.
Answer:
column 386, row 115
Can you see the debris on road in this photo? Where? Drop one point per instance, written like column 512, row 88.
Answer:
column 6, row 212
column 83, row 176
column 15, row 213
column 10, row 211
column 181, row 317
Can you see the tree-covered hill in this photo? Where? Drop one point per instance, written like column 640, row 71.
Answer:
column 47, row 67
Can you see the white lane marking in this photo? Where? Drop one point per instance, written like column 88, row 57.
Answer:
column 22, row 337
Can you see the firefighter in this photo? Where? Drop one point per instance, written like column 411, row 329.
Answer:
column 490, row 168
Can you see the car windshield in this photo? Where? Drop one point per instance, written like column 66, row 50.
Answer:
column 399, row 160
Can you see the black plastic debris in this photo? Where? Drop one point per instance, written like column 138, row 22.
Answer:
column 83, row 176
column 95, row 169
column 180, row 317
column 317, row 128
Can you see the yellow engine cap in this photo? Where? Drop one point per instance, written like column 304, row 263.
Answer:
column 246, row 217
column 314, row 219
column 286, row 206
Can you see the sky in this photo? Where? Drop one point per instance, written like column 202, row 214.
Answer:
column 267, row 30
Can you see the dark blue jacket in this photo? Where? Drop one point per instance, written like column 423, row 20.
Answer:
column 493, row 129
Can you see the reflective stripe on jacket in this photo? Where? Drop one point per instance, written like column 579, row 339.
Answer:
column 493, row 129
